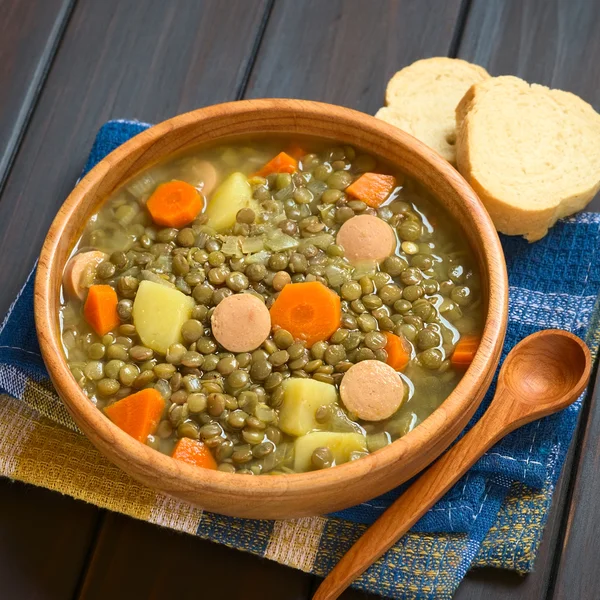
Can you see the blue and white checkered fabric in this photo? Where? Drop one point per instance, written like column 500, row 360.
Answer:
column 554, row 283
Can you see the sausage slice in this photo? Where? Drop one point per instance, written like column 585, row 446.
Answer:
column 81, row 268
column 372, row 390
column 206, row 175
column 366, row 237
column 241, row 323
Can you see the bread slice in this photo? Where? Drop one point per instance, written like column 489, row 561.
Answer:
column 421, row 99
column 531, row 153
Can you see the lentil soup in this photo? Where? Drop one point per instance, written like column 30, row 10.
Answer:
column 270, row 306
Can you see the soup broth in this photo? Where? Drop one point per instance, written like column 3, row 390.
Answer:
column 215, row 305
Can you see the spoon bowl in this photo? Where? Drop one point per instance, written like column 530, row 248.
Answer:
column 565, row 361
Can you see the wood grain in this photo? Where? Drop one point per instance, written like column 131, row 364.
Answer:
column 349, row 48
column 135, row 560
column 44, row 541
column 146, row 60
column 576, row 564
column 544, row 373
column 44, row 537
column 29, row 34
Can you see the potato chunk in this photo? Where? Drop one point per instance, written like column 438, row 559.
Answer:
column 301, row 399
column 158, row 314
column 230, row 197
column 340, row 444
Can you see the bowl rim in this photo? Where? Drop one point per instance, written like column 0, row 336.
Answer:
column 183, row 476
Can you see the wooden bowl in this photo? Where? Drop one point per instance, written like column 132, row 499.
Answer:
column 302, row 494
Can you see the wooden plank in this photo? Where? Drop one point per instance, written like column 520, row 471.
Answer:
column 29, row 34
column 136, row 560
column 543, row 42
column 546, row 43
column 345, row 51
column 44, row 540
column 44, row 537
column 577, row 573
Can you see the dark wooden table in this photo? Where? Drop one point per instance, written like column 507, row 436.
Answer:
column 66, row 66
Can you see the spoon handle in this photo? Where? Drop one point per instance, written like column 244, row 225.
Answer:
column 420, row 497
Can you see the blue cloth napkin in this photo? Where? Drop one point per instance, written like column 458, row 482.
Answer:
column 554, row 283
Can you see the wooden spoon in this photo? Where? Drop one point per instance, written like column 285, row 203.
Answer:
column 543, row 374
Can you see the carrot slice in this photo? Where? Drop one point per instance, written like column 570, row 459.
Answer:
column 282, row 163
column 137, row 414
column 398, row 351
column 465, row 351
column 309, row 311
column 100, row 309
column 175, row 204
column 195, row 453
column 296, row 151
column 372, row 188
